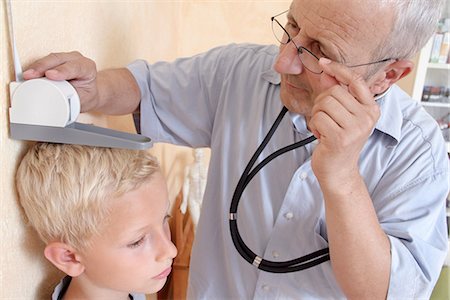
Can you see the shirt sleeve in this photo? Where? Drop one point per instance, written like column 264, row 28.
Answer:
column 410, row 201
column 418, row 251
column 179, row 99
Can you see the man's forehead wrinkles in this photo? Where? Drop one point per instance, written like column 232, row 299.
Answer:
column 330, row 40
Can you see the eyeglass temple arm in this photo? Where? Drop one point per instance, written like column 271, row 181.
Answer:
column 282, row 27
column 371, row 63
column 279, row 14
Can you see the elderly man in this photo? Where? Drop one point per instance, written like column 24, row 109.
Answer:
column 366, row 200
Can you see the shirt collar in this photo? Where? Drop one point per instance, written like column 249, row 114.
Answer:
column 271, row 76
column 391, row 116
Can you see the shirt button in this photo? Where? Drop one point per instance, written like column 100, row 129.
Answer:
column 265, row 288
column 303, row 175
column 275, row 254
column 288, row 215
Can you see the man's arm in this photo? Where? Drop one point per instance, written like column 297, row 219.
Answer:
column 343, row 118
column 359, row 248
column 112, row 91
column 118, row 92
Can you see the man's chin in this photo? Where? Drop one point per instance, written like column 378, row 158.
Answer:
column 296, row 105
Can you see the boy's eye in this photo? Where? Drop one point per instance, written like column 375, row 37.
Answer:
column 137, row 243
column 167, row 217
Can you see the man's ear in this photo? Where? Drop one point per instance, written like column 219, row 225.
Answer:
column 389, row 75
column 64, row 258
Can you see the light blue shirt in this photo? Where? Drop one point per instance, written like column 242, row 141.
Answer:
column 227, row 99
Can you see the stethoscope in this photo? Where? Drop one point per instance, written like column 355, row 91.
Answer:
column 294, row 265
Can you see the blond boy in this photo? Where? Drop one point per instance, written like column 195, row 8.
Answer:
column 102, row 214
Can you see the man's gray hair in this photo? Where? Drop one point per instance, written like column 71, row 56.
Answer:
column 415, row 22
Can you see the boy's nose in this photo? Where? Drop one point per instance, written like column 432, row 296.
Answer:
column 166, row 249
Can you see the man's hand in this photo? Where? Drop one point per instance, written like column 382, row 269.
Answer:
column 343, row 117
column 80, row 71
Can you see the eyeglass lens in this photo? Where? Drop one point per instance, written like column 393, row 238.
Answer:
column 309, row 60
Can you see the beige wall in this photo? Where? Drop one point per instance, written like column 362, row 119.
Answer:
column 112, row 33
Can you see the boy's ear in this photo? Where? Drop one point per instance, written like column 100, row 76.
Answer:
column 64, row 258
column 392, row 73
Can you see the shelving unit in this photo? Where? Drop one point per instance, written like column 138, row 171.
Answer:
column 429, row 73
column 433, row 74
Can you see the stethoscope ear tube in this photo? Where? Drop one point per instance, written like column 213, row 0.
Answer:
column 298, row 264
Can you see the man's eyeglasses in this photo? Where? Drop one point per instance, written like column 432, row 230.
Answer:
column 309, row 60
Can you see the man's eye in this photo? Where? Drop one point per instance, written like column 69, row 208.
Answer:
column 292, row 28
column 137, row 243
column 316, row 49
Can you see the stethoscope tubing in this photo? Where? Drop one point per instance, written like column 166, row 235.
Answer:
column 294, row 265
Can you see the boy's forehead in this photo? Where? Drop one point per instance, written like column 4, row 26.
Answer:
column 138, row 211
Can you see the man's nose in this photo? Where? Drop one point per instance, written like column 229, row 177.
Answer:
column 288, row 61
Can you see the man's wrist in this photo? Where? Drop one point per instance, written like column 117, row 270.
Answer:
column 342, row 185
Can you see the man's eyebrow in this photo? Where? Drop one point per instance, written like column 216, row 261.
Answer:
column 289, row 15
column 290, row 18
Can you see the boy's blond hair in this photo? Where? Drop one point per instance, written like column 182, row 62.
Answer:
column 66, row 190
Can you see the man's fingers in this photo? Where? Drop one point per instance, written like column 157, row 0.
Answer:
column 323, row 126
column 40, row 67
column 334, row 108
column 80, row 69
column 52, row 60
column 357, row 86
